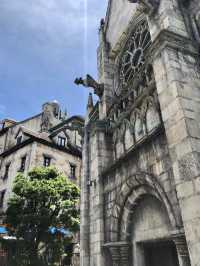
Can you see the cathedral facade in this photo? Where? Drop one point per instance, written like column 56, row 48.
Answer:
column 140, row 188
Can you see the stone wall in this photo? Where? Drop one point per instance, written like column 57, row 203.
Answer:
column 35, row 153
column 119, row 15
column 152, row 157
column 15, row 162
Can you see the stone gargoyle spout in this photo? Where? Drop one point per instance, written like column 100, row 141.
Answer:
column 89, row 82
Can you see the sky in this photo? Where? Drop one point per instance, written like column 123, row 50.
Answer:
column 45, row 45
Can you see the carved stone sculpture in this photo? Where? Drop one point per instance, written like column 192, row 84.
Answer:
column 149, row 6
column 89, row 82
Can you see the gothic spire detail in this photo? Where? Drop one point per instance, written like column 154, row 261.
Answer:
column 90, row 101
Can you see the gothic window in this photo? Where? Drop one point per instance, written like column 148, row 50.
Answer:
column 132, row 60
column 47, row 161
column 134, row 82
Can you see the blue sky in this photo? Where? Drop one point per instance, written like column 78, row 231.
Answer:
column 44, row 47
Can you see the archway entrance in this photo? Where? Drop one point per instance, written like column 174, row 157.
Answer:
column 144, row 229
column 161, row 253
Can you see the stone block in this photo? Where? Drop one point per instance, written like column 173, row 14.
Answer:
column 190, row 208
column 185, row 190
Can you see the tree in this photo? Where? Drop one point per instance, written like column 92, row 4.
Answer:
column 42, row 201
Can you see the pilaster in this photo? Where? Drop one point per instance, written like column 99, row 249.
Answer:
column 98, row 157
column 105, row 72
column 85, row 205
column 175, row 62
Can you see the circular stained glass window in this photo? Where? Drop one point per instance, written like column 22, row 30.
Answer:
column 133, row 57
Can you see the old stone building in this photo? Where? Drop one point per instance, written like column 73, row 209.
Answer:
column 49, row 138
column 141, row 160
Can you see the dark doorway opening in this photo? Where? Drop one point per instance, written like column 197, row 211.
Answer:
column 161, row 253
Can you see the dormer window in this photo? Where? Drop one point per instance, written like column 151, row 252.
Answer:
column 19, row 140
column 61, row 141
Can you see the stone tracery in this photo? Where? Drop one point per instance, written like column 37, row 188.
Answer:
column 133, row 56
column 135, row 90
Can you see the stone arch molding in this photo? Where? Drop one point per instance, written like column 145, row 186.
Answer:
column 132, row 191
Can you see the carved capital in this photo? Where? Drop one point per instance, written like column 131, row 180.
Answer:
column 148, row 6
column 120, row 253
column 89, row 82
column 182, row 248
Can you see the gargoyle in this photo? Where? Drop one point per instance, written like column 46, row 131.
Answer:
column 89, row 82
column 149, row 6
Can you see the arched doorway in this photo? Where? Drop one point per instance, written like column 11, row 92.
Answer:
column 151, row 240
column 144, row 229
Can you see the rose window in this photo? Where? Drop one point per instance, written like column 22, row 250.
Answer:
column 133, row 58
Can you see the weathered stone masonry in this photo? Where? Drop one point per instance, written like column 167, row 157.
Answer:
column 141, row 165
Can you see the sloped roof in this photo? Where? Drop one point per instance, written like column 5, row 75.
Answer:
column 33, row 138
column 67, row 121
column 28, row 132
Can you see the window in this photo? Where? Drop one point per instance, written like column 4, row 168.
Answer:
column 133, row 57
column 19, row 139
column 23, row 164
column 72, row 171
column 47, row 161
column 2, row 195
column 7, row 167
column 61, row 141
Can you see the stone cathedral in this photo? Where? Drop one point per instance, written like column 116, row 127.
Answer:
column 140, row 199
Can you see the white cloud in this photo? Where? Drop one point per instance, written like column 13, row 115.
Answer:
column 50, row 32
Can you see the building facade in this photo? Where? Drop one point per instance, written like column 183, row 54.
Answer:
column 47, row 139
column 140, row 188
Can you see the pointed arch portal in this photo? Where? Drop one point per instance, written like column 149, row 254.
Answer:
column 130, row 220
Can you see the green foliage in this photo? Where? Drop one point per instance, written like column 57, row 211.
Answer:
column 42, row 200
